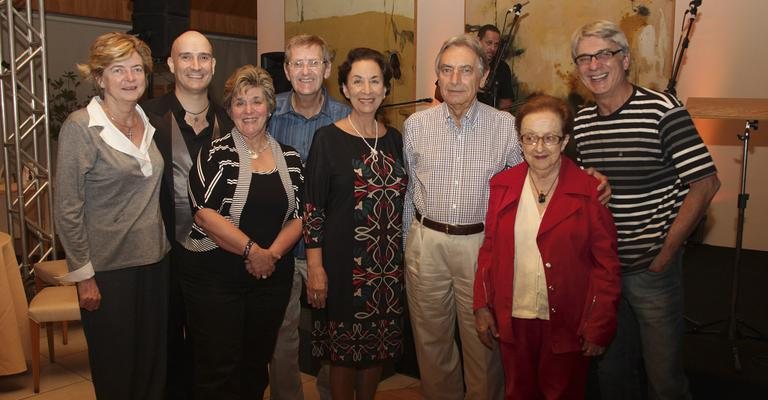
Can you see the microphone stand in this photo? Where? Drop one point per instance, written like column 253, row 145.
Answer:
column 734, row 324
column 682, row 46
column 405, row 103
column 490, row 83
column 693, row 10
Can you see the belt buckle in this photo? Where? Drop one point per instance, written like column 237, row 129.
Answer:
column 447, row 229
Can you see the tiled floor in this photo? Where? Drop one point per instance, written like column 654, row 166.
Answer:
column 69, row 378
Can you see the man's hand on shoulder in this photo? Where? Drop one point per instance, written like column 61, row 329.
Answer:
column 604, row 187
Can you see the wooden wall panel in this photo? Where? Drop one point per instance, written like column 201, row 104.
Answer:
column 118, row 10
column 236, row 25
column 229, row 17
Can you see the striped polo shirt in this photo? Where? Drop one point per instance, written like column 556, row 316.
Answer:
column 650, row 151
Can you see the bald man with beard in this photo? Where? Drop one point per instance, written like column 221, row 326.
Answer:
column 185, row 120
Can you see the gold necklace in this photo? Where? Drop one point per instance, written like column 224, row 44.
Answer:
column 121, row 126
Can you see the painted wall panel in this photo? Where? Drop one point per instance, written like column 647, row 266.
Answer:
column 301, row 10
column 545, row 30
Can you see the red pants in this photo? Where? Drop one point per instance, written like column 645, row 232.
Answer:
column 533, row 371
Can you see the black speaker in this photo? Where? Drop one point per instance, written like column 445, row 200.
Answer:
column 159, row 23
column 273, row 63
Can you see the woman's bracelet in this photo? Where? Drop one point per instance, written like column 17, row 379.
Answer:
column 247, row 249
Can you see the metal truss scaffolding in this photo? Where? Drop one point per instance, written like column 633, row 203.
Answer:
column 25, row 130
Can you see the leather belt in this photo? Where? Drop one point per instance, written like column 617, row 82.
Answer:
column 448, row 228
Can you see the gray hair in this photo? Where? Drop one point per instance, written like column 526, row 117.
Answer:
column 601, row 29
column 470, row 42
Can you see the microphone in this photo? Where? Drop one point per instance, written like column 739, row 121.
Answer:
column 424, row 100
column 517, row 7
column 693, row 7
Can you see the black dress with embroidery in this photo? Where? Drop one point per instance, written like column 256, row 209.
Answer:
column 354, row 213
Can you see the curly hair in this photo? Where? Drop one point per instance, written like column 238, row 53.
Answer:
column 245, row 76
column 364, row 53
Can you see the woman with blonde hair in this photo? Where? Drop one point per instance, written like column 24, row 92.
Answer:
column 108, row 219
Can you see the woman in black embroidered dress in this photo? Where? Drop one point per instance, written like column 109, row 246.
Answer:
column 355, row 188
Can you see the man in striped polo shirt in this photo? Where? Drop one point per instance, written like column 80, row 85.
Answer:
column 663, row 180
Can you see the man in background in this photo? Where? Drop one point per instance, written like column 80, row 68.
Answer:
column 500, row 93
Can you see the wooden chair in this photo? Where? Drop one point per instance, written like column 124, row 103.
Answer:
column 50, row 304
column 47, row 273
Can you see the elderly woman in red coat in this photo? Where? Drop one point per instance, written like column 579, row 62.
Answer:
column 547, row 284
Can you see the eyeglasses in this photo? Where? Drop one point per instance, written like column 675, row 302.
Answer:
column 601, row 56
column 549, row 140
column 311, row 64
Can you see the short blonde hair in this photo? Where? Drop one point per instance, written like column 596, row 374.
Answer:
column 111, row 47
column 245, row 76
column 305, row 40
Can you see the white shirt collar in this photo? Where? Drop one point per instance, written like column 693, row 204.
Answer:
column 117, row 140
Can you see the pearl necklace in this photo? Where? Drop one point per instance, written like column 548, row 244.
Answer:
column 374, row 153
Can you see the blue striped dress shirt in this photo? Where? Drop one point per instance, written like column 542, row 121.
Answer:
column 291, row 128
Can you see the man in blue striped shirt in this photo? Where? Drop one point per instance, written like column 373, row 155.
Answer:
column 663, row 180
column 298, row 114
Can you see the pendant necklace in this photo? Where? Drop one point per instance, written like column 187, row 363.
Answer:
column 196, row 116
column 542, row 196
column 374, row 153
column 255, row 154
column 120, row 126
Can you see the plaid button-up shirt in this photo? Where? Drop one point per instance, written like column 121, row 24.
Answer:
column 449, row 165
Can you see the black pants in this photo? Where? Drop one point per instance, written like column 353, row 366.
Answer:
column 180, row 360
column 126, row 335
column 233, row 319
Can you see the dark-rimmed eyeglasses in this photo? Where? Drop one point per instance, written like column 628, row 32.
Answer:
column 601, row 56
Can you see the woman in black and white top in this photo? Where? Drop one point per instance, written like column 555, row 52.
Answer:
column 108, row 219
column 245, row 190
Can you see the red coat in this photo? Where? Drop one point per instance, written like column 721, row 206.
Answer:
column 577, row 242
